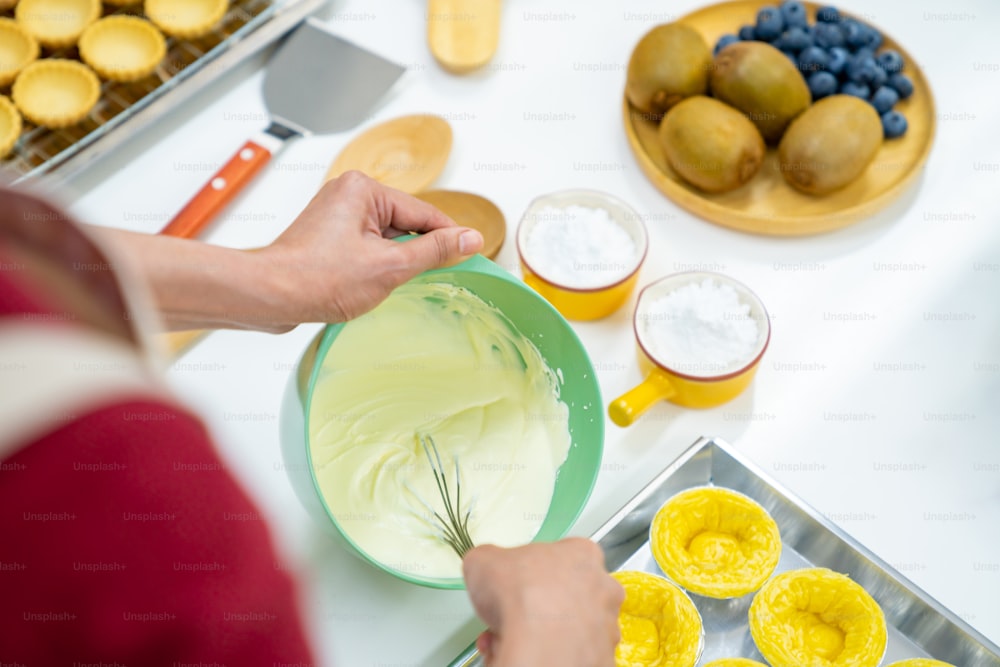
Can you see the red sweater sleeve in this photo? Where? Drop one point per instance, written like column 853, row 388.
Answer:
column 125, row 541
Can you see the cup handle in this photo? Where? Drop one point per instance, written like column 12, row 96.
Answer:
column 629, row 406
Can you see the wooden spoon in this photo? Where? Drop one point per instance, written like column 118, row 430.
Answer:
column 406, row 153
column 463, row 34
column 473, row 211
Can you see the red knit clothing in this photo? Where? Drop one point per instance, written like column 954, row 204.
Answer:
column 123, row 540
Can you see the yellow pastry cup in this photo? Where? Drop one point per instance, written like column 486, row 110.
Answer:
column 18, row 49
column 735, row 662
column 715, row 542
column 10, row 125
column 57, row 24
column 56, row 93
column 659, row 624
column 122, row 48
column 920, row 662
column 185, row 19
column 815, row 616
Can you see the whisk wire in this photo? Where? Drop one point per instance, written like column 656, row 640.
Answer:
column 455, row 528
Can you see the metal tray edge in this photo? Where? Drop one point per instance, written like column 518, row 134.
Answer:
column 471, row 657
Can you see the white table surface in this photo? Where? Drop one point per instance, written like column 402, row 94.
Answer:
column 889, row 424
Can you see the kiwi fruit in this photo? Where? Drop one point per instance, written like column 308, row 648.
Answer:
column 762, row 82
column 830, row 144
column 669, row 63
column 711, row 145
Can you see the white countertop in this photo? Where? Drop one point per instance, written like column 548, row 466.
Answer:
column 878, row 401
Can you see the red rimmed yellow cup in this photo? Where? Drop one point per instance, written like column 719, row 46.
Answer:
column 701, row 336
column 582, row 251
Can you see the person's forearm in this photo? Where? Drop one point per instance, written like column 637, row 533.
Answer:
column 197, row 285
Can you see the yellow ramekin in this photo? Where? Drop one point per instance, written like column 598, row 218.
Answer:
column 56, row 93
column 10, row 125
column 715, row 542
column 659, row 624
column 185, row 19
column 18, row 49
column 57, row 24
column 686, row 386
column 122, row 48
column 817, row 616
column 589, row 303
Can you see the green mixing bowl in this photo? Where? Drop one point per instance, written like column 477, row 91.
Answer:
column 562, row 351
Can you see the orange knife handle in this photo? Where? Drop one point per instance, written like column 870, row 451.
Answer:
column 219, row 191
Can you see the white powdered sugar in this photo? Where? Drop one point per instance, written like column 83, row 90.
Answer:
column 701, row 328
column 579, row 247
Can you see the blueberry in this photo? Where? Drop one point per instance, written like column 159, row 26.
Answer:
column 893, row 124
column 862, row 69
column 838, row 60
column 884, row 99
column 864, row 52
column 795, row 39
column 747, row 33
column 794, row 57
column 854, row 34
column 769, row 24
column 794, row 13
column 813, row 59
column 890, row 61
column 828, row 35
column 725, row 41
column 902, row 85
column 872, row 38
column 879, row 78
column 822, row 84
column 857, row 89
column 828, row 14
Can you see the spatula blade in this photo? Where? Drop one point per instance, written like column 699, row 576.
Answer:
column 319, row 83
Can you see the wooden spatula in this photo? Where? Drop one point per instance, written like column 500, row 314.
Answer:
column 463, row 34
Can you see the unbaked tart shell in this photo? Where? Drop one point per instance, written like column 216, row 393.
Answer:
column 815, row 616
column 57, row 24
column 715, row 542
column 10, row 125
column 122, row 48
column 18, row 49
column 659, row 623
column 56, row 93
column 185, row 19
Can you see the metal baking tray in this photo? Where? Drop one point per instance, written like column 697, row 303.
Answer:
column 126, row 108
column 919, row 626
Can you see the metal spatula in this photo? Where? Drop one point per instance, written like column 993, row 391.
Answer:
column 317, row 83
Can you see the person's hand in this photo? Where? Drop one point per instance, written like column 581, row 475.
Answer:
column 333, row 263
column 337, row 259
column 545, row 604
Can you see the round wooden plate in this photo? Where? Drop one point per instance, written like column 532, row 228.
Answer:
column 767, row 204
column 473, row 211
column 406, row 153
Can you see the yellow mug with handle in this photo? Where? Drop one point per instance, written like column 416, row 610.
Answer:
column 691, row 382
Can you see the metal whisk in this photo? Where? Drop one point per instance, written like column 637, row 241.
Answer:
column 454, row 528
